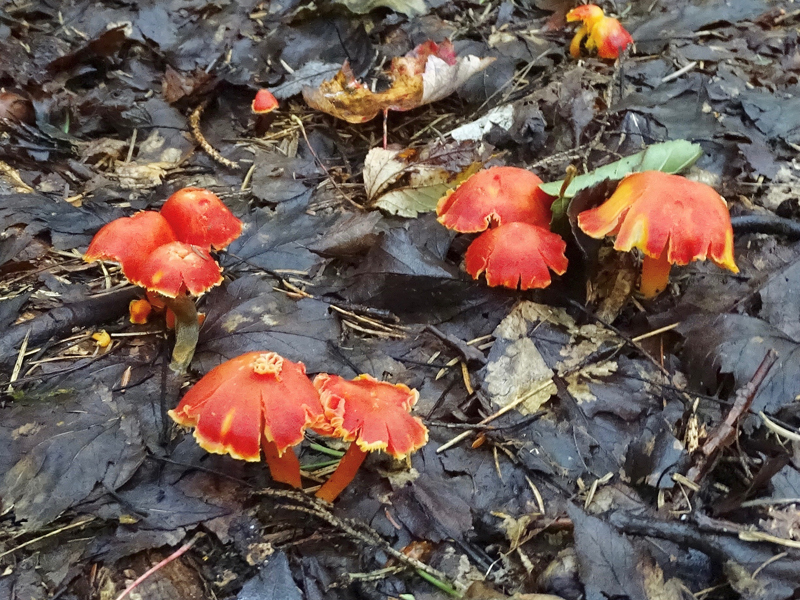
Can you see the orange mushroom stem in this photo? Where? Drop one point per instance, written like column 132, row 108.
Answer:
column 671, row 219
column 257, row 402
column 372, row 415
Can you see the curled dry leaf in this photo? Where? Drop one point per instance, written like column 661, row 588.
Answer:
column 428, row 73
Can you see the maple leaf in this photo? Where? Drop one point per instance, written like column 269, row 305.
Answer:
column 428, row 73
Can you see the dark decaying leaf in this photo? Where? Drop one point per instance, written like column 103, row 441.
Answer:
column 250, row 315
column 737, row 344
column 56, row 449
column 273, row 582
column 779, row 300
column 611, row 566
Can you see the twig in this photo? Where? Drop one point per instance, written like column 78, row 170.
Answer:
column 679, row 72
column 724, row 433
column 470, row 353
column 47, row 535
column 163, row 563
column 297, row 120
column 769, row 224
column 194, row 123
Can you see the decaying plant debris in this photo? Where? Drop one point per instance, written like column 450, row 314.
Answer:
column 584, row 442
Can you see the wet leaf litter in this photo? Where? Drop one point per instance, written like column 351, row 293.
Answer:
column 584, row 440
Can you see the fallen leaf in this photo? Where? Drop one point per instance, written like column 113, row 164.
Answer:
column 428, row 73
column 429, row 173
column 669, row 157
column 409, row 8
column 273, row 582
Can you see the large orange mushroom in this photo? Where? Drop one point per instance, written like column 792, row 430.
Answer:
column 199, row 217
column 517, row 255
column 495, row 196
column 373, row 415
column 255, row 402
column 602, row 33
column 671, row 219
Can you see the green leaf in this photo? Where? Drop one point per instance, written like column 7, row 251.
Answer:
column 410, row 201
column 669, row 157
column 409, row 8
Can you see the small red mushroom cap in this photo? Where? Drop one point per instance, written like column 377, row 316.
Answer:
column 658, row 212
column 199, row 217
column 373, row 414
column 139, row 311
column 495, row 196
column 129, row 241
column 264, row 102
column 517, row 255
column 176, row 267
column 253, row 395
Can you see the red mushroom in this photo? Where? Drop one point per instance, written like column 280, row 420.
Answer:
column 671, row 219
column 264, row 102
column 200, row 218
column 130, row 240
column 173, row 270
column 605, row 34
column 495, row 196
column 373, row 415
column 256, row 401
column 517, row 254
column 139, row 311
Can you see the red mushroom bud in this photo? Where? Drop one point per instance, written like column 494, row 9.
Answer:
column 517, row 254
column 130, row 240
column 373, row 415
column 139, row 311
column 200, row 218
column 172, row 270
column 264, row 102
column 495, row 196
column 671, row 219
column 256, row 401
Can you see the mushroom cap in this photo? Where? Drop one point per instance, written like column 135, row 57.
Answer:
column 517, row 254
column 373, row 414
column 129, row 240
column 654, row 211
column 587, row 13
column 253, row 395
column 264, row 102
column 199, row 217
column 139, row 311
column 609, row 37
column 495, row 196
column 176, row 267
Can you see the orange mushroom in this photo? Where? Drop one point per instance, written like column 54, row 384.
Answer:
column 174, row 271
column 517, row 255
column 130, row 240
column 139, row 311
column 605, row 34
column 671, row 219
column 264, row 102
column 255, row 402
column 373, row 415
column 200, row 218
column 495, row 196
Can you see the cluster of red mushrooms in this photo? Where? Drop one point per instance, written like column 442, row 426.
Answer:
column 670, row 219
column 168, row 254
column 261, row 402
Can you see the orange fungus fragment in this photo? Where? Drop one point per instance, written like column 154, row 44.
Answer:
column 602, row 33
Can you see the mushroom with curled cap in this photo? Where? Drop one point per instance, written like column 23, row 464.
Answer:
column 517, row 255
column 372, row 415
column 602, row 33
column 493, row 197
column 264, row 102
column 256, row 402
column 671, row 219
